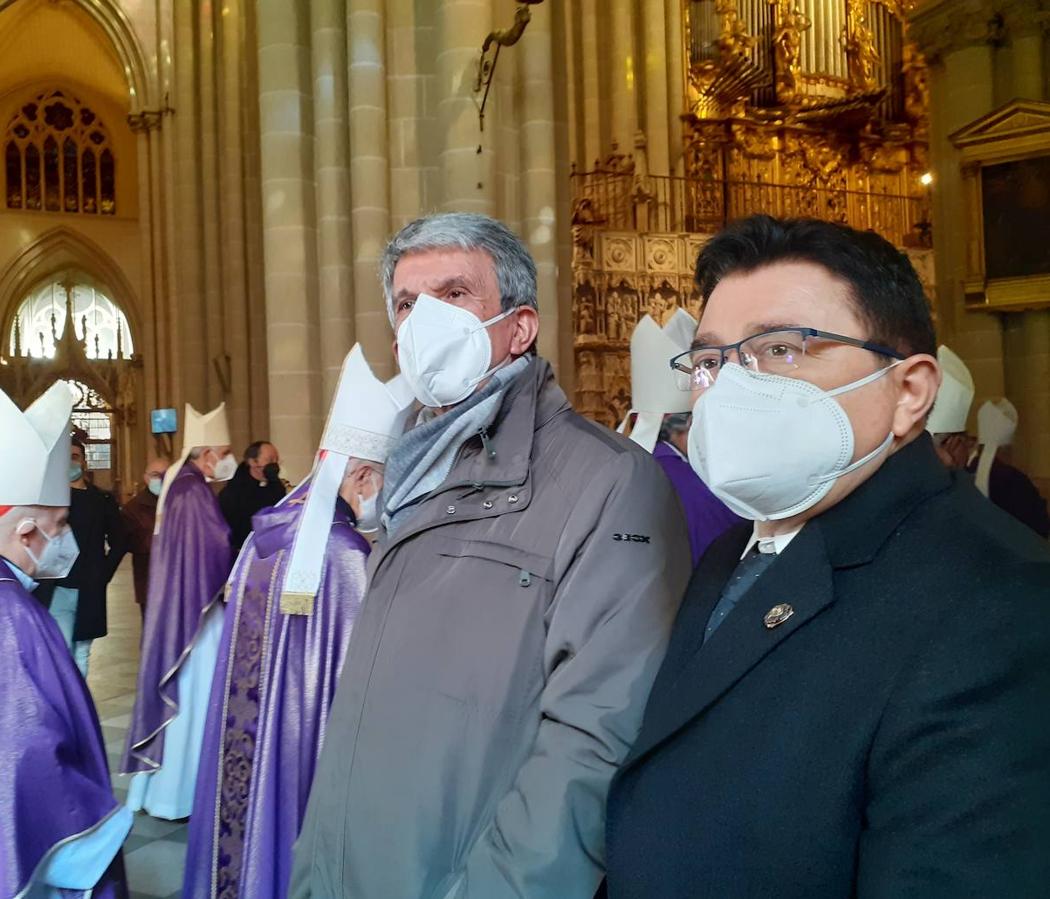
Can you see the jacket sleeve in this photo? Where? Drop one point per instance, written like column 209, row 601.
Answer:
column 116, row 536
column 614, row 601
column 958, row 781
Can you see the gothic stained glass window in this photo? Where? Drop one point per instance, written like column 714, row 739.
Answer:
column 41, row 319
column 52, row 185
column 70, row 188
column 32, row 177
column 58, row 157
column 13, row 165
column 92, row 416
column 107, row 187
column 88, row 178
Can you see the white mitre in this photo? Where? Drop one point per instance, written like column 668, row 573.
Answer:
column 954, row 397
column 654, row 391
column 34, row 449
column 996, row 426
column 366, row 419
column 209, row 429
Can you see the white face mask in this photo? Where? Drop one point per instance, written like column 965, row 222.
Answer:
column 771, row 447
column 444, row 351
column 155, row 485
column 368, row 514
column 59, row 554
column 224, row 469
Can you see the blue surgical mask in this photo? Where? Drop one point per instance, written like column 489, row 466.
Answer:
column 76, row 472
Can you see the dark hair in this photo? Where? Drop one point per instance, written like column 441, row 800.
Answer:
column 885, row 290
column 254, row 449
column 76, row 441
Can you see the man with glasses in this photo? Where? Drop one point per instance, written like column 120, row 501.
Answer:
column 853, row 700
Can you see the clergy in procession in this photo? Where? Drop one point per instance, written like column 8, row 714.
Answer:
column 62, row 827
column 660, row 404
column 190, row 562
column 293, row 598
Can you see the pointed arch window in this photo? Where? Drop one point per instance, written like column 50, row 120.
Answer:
column 41, row 320
column 58, row 157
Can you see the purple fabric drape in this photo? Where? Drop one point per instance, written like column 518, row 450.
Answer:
column 189, row 564
column 55, row 782
column 706, row 515
column 275, row 680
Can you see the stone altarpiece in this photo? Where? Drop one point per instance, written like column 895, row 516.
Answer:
column 794, row 108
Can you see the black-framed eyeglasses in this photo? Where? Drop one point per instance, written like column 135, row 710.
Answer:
column 779, row 352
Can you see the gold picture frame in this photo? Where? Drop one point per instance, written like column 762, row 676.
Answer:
column 1005, row 163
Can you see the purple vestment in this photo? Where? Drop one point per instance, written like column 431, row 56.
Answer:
column 55, row 783
column 275, row 680
column 188, row 568
column 705, row 514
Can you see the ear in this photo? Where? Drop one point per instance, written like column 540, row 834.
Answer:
column 918, row 378
column 526, row 327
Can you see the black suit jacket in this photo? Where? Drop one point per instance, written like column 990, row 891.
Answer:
column 890, row 739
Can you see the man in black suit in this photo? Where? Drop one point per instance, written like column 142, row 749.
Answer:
column 854, row 700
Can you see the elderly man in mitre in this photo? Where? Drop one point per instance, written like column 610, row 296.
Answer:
column 190, row 562
column 660, row 408
column 294, row 595
column 62, row 827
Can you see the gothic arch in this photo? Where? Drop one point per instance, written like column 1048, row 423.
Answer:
column 54, row 253
column 113, row 21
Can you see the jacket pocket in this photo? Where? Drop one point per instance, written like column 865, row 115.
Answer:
column 529, row 566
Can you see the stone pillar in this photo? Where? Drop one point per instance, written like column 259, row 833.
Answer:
column 370, row 174
column 289, row 234
column 657, row 119
column 467, row 176
column 331, row 103
column 675, row 84
column 622, row 58
column 595, row 136
column 538, row 186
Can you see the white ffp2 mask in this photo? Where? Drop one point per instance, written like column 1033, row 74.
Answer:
column 444, row 351
column 224, row 469
column 771, row 447
column 61, row 551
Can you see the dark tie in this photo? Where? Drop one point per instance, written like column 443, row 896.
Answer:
column 749, row 570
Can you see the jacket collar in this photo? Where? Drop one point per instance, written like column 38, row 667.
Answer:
column 696, row 675
column 856, row 528
column 481, row 478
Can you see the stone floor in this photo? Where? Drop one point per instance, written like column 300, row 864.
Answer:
column 155, row 852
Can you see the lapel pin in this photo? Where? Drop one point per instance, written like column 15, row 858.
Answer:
column 778, row 615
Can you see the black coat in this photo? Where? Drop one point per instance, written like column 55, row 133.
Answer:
column 94, row 517
column 242, row 497
column 890, row 739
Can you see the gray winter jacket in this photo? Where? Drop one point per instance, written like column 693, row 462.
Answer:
column 498, row 670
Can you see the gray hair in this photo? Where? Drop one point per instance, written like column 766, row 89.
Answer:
column 674, row 424
column 515, row 268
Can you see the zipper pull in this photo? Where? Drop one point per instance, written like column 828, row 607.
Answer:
column 524, row 579
column 483, row 433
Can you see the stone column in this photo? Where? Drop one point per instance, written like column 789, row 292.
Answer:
column 657, row 118
column 370, row 174
column 961, row 92
column 335, row 292
column 675, row 84
column 289, row 233
column 538, row 186
column 595, row 128
column 622, row 58
column 467, row 176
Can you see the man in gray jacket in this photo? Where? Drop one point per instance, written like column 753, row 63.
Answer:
column 528, row 570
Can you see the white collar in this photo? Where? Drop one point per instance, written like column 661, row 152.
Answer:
column 674, row 449
column 24, row 579
column 776, row 544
